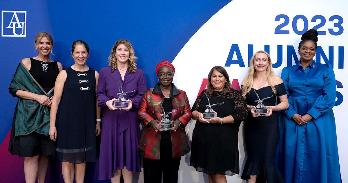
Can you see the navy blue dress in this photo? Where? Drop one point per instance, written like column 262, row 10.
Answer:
column 76, row 125
column 309, row 152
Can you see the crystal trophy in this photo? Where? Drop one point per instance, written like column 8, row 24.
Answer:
column 166, row 123
column 260, row 109
column 121, row 101
column 209, row 111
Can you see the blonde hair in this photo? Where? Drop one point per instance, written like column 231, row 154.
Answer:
column 41, row 35
column 132, row 66
column 249, row 79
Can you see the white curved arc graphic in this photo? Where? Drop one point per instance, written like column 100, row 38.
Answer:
column 212, row 42
column 244, row 22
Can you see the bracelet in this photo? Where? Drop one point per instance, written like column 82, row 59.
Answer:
column 98, row 120
column 221, row 121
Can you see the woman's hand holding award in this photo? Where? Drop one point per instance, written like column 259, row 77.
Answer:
column 121, row 102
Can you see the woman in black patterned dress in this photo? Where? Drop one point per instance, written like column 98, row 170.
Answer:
column 214, row 149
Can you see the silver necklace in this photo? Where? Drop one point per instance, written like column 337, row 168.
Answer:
column 44, row 66
column 260, row 101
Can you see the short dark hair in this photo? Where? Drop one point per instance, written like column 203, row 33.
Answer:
column 76, row 42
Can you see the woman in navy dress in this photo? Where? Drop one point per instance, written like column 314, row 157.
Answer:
column 73, row 121
column 309, row 145
column 261, row 131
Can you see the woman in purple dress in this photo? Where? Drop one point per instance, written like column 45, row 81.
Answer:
column 119, row 139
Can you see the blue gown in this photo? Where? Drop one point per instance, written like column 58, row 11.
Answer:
column 308, row 153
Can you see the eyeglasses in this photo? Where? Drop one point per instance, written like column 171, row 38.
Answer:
column 166, row 75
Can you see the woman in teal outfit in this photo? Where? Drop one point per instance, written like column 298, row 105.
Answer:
column 308, row 151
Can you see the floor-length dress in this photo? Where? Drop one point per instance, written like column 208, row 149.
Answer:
column 309, row 152
column 261, row 136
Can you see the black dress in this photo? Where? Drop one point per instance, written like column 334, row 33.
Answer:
column 261, row 137
column 45, row 73
column 214, row 148
column 76, row 118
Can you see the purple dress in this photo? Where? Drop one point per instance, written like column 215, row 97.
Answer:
column 120, row 130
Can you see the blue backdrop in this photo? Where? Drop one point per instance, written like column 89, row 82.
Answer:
column 157, row 30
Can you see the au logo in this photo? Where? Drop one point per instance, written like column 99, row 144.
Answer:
column 13, row 23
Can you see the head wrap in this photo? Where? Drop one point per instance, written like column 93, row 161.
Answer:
column 164, row 63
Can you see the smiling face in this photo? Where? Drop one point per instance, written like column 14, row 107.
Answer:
column 44, row 46
column 80, row 54
column 307, row 51
column 217, row 80
column 165, row 76
column 261, row 62
column 122, row 53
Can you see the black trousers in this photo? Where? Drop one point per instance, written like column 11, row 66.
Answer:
column 166, row 165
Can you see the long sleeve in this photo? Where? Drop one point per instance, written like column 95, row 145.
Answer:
column 327, row 98
column 197, row 105
column 102, row 98
column 142, row 113
column 186, row 117
column 240, row 112
column 141, row 89
column 290, row 112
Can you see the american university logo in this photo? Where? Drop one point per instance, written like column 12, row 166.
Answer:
column 13, row 23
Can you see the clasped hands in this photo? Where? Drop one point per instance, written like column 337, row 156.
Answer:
column 112, row 107
column 301, row 120
column 44, row 100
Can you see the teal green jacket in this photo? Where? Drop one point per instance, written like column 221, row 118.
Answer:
column 29, row 116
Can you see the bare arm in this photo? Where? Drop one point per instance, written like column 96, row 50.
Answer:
column 58, row 90
column 98, row 120
column 60, row 66
column 284, row 104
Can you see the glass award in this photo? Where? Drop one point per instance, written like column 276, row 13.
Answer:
column 166, row 123
column 121, row 101
column 209, row 113
column 260, row 108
